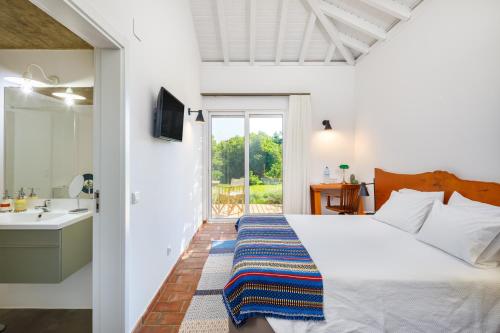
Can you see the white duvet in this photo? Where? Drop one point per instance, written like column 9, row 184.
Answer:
column 380, row 279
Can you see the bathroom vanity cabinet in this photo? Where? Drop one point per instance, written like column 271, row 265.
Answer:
column 45, row 256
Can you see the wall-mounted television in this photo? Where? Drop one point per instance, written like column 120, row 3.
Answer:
column 168, row 117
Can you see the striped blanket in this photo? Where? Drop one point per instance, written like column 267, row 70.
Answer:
column 273, row 274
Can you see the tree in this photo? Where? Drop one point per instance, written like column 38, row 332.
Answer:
column 265, row 158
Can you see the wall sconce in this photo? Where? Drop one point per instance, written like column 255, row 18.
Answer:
column 68, row 96
column 327, row 125
column 27, row 83
column 199, row 117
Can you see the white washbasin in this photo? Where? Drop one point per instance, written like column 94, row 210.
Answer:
column 36, row 219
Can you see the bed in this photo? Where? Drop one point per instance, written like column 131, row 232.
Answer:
column 378, row 278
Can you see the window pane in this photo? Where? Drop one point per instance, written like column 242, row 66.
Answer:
column 266, row 159
column 228, row 167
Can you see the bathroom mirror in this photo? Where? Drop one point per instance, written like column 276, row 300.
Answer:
column 76, row 186
column 46, row 142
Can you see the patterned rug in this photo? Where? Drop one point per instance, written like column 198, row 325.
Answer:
column 207, row 313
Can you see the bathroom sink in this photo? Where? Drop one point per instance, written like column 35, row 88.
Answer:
column 31, row 216
column 36, row 219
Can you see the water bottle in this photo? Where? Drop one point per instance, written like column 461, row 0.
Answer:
column 326, row 175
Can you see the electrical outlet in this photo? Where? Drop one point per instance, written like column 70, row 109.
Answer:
column 135, row 198
column 169, row 250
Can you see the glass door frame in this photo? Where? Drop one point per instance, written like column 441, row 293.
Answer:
column 246, row 115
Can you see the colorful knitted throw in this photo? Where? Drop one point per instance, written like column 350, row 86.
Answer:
column 273, row 274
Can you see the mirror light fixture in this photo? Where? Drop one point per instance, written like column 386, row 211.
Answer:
column 199, row 117
column 27, row 82
column 327, row 125
column 68, row 96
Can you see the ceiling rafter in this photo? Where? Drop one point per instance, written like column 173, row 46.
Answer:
column 287, row 35
column 353, row 21
column 331, row 30
column 329, row 53
column 354, row 43
column 282, row 30
column 311, row 23
column 252, row 29
column 221, row 17
column 390, row 7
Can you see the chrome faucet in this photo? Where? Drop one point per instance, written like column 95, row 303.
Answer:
column 45, row 207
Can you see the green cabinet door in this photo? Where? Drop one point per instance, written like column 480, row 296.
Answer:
column 44, row 256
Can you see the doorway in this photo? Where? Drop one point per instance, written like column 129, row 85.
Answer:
column 245, row 164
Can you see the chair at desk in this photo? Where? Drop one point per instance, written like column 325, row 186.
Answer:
column 348, row 200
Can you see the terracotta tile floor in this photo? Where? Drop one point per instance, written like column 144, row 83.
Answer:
column 167, row 310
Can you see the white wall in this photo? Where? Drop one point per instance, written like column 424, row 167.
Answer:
column 429, row 98
column 74, row 68
column 332, row 93
column 168, row 175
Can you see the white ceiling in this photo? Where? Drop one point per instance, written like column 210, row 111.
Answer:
column 294, row 31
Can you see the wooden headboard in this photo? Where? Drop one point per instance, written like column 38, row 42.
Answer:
column 386, row 182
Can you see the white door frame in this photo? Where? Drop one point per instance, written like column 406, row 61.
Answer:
column 111, row 151
column 245, row 114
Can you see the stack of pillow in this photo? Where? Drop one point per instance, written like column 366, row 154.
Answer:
column 467, row 229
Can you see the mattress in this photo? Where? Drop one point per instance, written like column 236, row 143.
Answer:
column 380, row 279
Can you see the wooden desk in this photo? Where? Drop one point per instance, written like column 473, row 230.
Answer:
column 317, row 189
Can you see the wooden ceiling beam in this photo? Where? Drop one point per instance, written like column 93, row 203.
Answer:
column 252, row 29
column 390, row 7
column 331, row 30
column 307, row 37
column 221, row 17
column 355, row 44
column 282, row 29
column 353, row 21
column 329, row 53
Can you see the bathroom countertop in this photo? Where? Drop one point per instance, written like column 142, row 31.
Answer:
column 35, row 219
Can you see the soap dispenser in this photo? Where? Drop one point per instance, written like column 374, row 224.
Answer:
column 32, row 197
column 20, row 202
column 6, row 204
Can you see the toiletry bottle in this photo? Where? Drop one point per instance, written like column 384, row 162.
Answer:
column 31, row 198
column 20, row 202
column 6, row 204
column 326, row 175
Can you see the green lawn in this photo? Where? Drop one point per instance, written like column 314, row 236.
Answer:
column 266, row 194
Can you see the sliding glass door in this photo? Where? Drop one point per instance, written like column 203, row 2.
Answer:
column 246, row 164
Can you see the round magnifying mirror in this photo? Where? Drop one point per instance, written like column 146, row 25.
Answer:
column 76, row 186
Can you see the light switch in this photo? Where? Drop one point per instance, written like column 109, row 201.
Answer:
column 135, row 198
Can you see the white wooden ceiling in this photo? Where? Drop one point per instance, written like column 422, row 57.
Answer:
column 294, row 31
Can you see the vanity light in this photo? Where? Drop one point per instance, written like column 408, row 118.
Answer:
column 199, row 117
column 69, row 96
column 26, row 81
column 327, row 125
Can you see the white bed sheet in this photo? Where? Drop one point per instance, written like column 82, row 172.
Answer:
column 380, row 279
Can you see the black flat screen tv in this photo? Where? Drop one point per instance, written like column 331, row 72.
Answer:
column 168, row 117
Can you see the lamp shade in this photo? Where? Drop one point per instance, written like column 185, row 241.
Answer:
column 363, row 191
column 327, row 124
column 199, row 117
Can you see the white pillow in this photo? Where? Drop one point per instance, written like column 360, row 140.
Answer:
column 460, row 232
column 457, row 199
column 491, row 254
column 436, row 195
column 405, row 211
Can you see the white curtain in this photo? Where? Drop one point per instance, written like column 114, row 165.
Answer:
column 296, row 198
